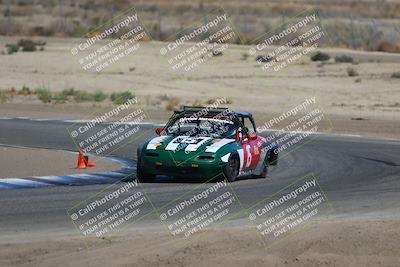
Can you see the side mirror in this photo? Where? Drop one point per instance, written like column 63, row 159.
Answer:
column 252, row 136
column 159, row 131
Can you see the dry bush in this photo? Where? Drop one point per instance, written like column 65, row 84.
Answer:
column 351, row 72
column 388, row 47
column 172, row 104
column 320, row 56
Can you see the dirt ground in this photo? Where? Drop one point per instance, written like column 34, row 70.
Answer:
column 325, row 243
column 41, row 162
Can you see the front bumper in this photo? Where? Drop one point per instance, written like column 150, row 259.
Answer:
column 190, row 168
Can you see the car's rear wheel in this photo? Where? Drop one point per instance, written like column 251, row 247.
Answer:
column 231, row 169
column 264, row 170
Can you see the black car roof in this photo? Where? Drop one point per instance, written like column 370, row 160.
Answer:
column 211, row 111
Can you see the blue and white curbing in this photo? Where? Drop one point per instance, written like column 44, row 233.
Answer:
column 127, row 172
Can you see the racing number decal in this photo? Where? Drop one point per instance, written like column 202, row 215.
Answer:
column 247, row 158
column 190, row 144
column 251, row 155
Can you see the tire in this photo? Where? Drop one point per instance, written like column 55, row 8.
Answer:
column 141, row 175
column 264, row 171
column 273, row 159
column 231, row 169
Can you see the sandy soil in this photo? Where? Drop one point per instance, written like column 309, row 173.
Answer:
column 41, row 162
column 326, row 243
column 375, row 98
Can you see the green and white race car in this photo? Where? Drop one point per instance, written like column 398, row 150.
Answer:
column 206, row 143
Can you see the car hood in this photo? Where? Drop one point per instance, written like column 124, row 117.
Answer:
column 186, row 144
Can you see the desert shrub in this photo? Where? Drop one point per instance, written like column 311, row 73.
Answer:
column 351, row 72
column 12, row 48
column 245, row 56
column 228, row 101
column 320, row 56
column 396, row 75
column 25, row 91
column 197, row 103
column 388, row 47
column 99, row 96
column 210, row 101
column 78, row 31
column 44, row 95
column 3, row 96
column 344, row 59
column 69, row 92
column 27, row 45
column 12, row 91
column 172, row 104
column 82, row 96
column 121, row 98
column 164, row 97
column 60, row 98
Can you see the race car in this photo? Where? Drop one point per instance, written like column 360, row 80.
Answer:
column 210, row 143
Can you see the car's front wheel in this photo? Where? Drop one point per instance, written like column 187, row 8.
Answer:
column 231, row 169
column 141, row 175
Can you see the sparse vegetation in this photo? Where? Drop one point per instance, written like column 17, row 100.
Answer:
column 228, row 101
column 12, row 48
column 60, row 98
column 68, row 92
column 210, row 101
column 352, row 72
column 3, row 96
column 99, row 96
column 121, row 98
column 25, row 91
column 82, row 96
column 44, row 95
column 320, row 56
column 164, row 97
column 197, row 103
column 385, row 46
column 344, row 59
column 26, row 45
column 345, row 20
column 172, row 104
column 245, row 56
column 396, row 75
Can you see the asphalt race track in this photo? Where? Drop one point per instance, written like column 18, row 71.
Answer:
column 360, row 177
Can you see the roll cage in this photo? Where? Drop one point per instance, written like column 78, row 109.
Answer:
column 237, row 118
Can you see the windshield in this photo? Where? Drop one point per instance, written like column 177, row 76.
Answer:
column 216, row 128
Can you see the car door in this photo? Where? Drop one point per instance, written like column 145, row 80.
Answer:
column 252, row 146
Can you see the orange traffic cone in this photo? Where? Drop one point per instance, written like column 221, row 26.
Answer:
column 81, row 161
column 89, row 163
